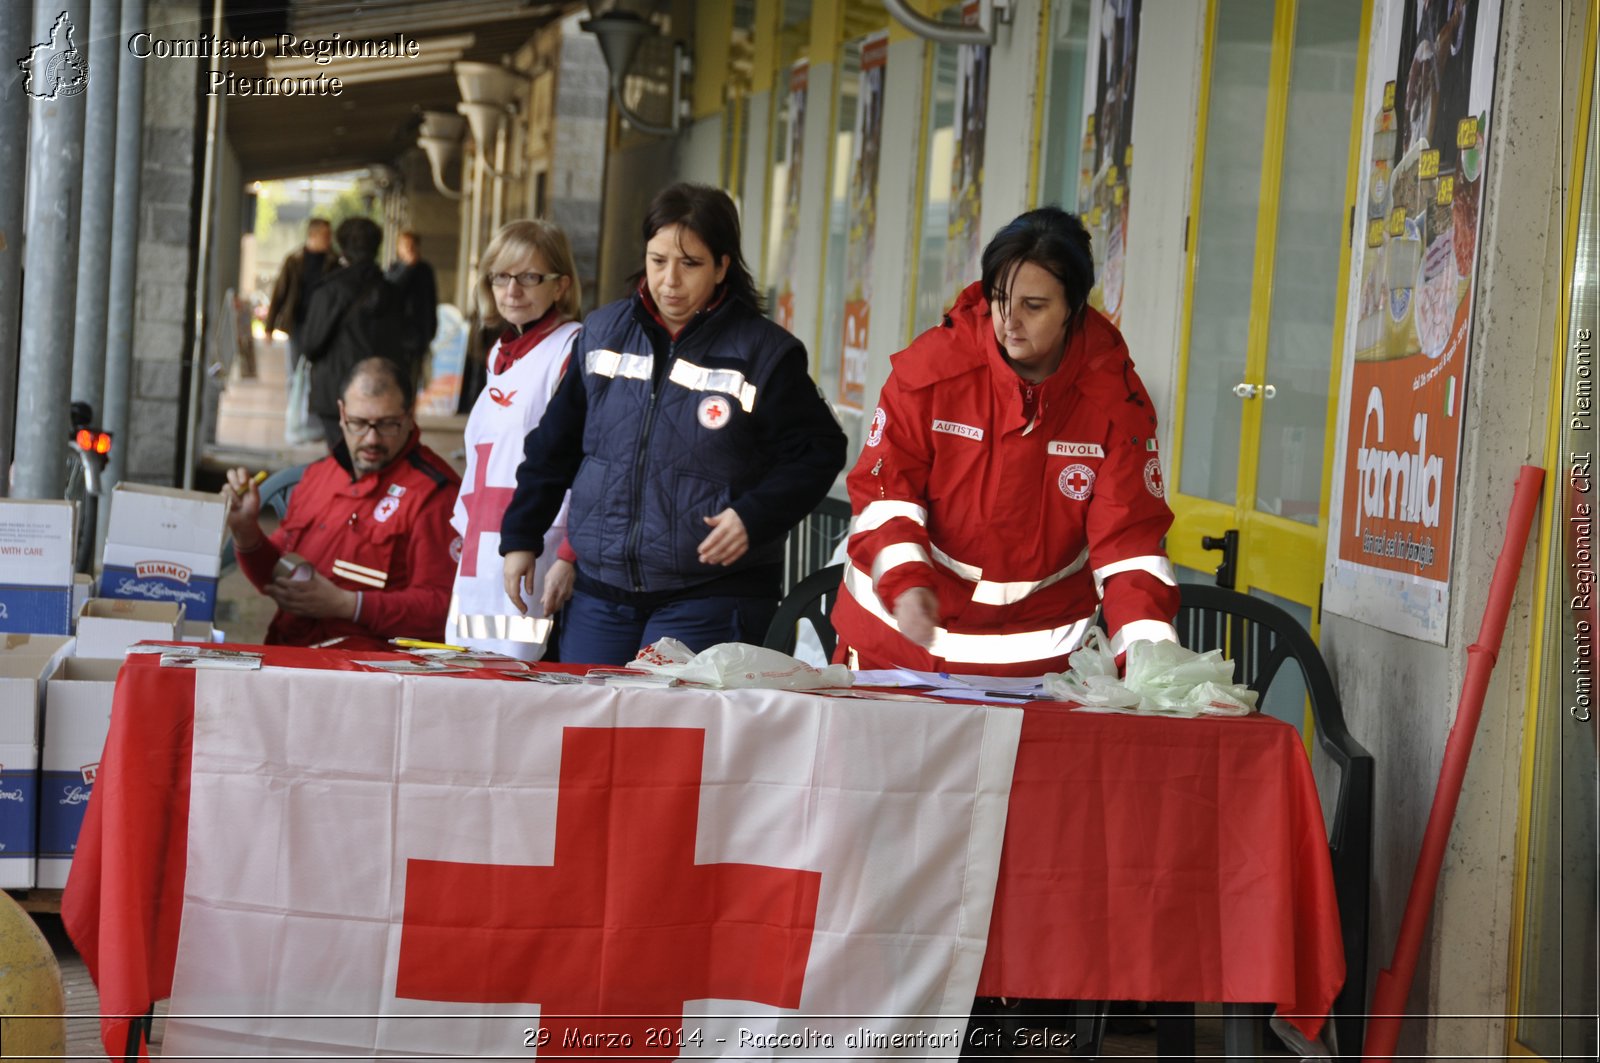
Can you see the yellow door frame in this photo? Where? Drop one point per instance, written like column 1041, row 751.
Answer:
column 1281, row 556
column 1554, row 484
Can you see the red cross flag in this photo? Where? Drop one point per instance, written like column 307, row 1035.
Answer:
column 582, row 871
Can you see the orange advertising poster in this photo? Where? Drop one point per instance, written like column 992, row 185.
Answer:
column 1408, row 337
column 1401, row 453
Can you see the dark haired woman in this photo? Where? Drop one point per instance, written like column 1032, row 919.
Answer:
column 692, row 438
column 1010, row 485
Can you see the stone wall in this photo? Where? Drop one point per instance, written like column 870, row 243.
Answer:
column 168, row 236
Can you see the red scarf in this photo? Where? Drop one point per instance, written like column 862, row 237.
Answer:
column 514, row 345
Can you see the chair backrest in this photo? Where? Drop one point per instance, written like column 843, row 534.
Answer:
column 1259, row 637
column 811, row 599
column 276, row 489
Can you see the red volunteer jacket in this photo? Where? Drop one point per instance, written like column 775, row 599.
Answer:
column 386, row 535
column 1021, row 530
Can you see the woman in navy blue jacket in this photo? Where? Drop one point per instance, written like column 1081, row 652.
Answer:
column 692, row 438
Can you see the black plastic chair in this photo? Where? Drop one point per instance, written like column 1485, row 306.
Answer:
column 1259, row 638
column 811, row 599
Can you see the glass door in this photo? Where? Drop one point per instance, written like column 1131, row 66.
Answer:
column 1269, row 246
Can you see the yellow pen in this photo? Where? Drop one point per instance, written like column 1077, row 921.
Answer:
column 421, row 644
column 258, row 479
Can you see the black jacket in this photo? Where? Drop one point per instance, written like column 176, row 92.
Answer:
column 653, row 433
column 355, row 314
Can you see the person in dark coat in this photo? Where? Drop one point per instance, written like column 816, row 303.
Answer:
column 298, row 277
column 355, row 314
column 413, row 277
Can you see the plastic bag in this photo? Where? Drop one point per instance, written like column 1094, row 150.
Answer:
column 729, row 665
column 1159, row 677
column 298, row 424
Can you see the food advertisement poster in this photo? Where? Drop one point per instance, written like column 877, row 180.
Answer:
column 862, row 219
column 1426, row 142
column 1107, row 157
column 789, row 226
column 965, row 237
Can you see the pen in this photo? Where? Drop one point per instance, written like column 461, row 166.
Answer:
column 420, row 644
column 258, row 479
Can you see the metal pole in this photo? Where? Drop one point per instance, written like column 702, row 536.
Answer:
column 124, row 257
column 202, row 299
column 99, row 159
column 50, row 260
column 16, row 33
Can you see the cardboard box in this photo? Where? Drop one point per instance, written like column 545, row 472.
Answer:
column 25, row 662
column 82, row 591
column 197, row 631
column 77, row 718
column 164, row 545
column 36, row 566
column 108, row 626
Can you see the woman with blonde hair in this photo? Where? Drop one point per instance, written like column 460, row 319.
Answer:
column 527, row 285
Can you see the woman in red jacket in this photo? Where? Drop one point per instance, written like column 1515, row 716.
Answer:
column 1011, row 486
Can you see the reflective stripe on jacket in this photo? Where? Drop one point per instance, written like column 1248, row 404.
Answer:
column 1020, row 529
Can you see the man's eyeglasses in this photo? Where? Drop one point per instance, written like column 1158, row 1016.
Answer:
column 389, row 426
column 524, row 280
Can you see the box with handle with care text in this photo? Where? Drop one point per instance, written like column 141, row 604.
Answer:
column 164, row 545
column 36, row 566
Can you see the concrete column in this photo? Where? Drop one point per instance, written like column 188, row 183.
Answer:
column 123, row 259
column 16, row 35
column 205, row 297
column 99, row 158
column 50, row 264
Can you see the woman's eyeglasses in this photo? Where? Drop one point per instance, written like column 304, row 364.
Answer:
column 524, row 280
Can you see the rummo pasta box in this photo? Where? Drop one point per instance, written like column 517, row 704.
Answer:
column 36, row 566
column 164, row 545
column 25, row 662
column 77, row 718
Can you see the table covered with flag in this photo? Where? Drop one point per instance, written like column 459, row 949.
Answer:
column 1143, row 859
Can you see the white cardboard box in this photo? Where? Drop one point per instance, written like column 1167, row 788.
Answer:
column 197, row 631
column 164, row 545
column 25, row 662
column 36, row 566
column 82, row 591
column 77, row 718
column 108, row 626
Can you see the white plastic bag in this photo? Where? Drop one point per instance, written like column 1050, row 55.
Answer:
column 298, row 424
column 729, row 665
column 1159, row 677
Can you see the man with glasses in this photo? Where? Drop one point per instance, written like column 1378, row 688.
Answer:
column 371, row 522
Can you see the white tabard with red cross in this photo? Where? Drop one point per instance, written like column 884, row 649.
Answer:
column 508, row 409
column 439, row 866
